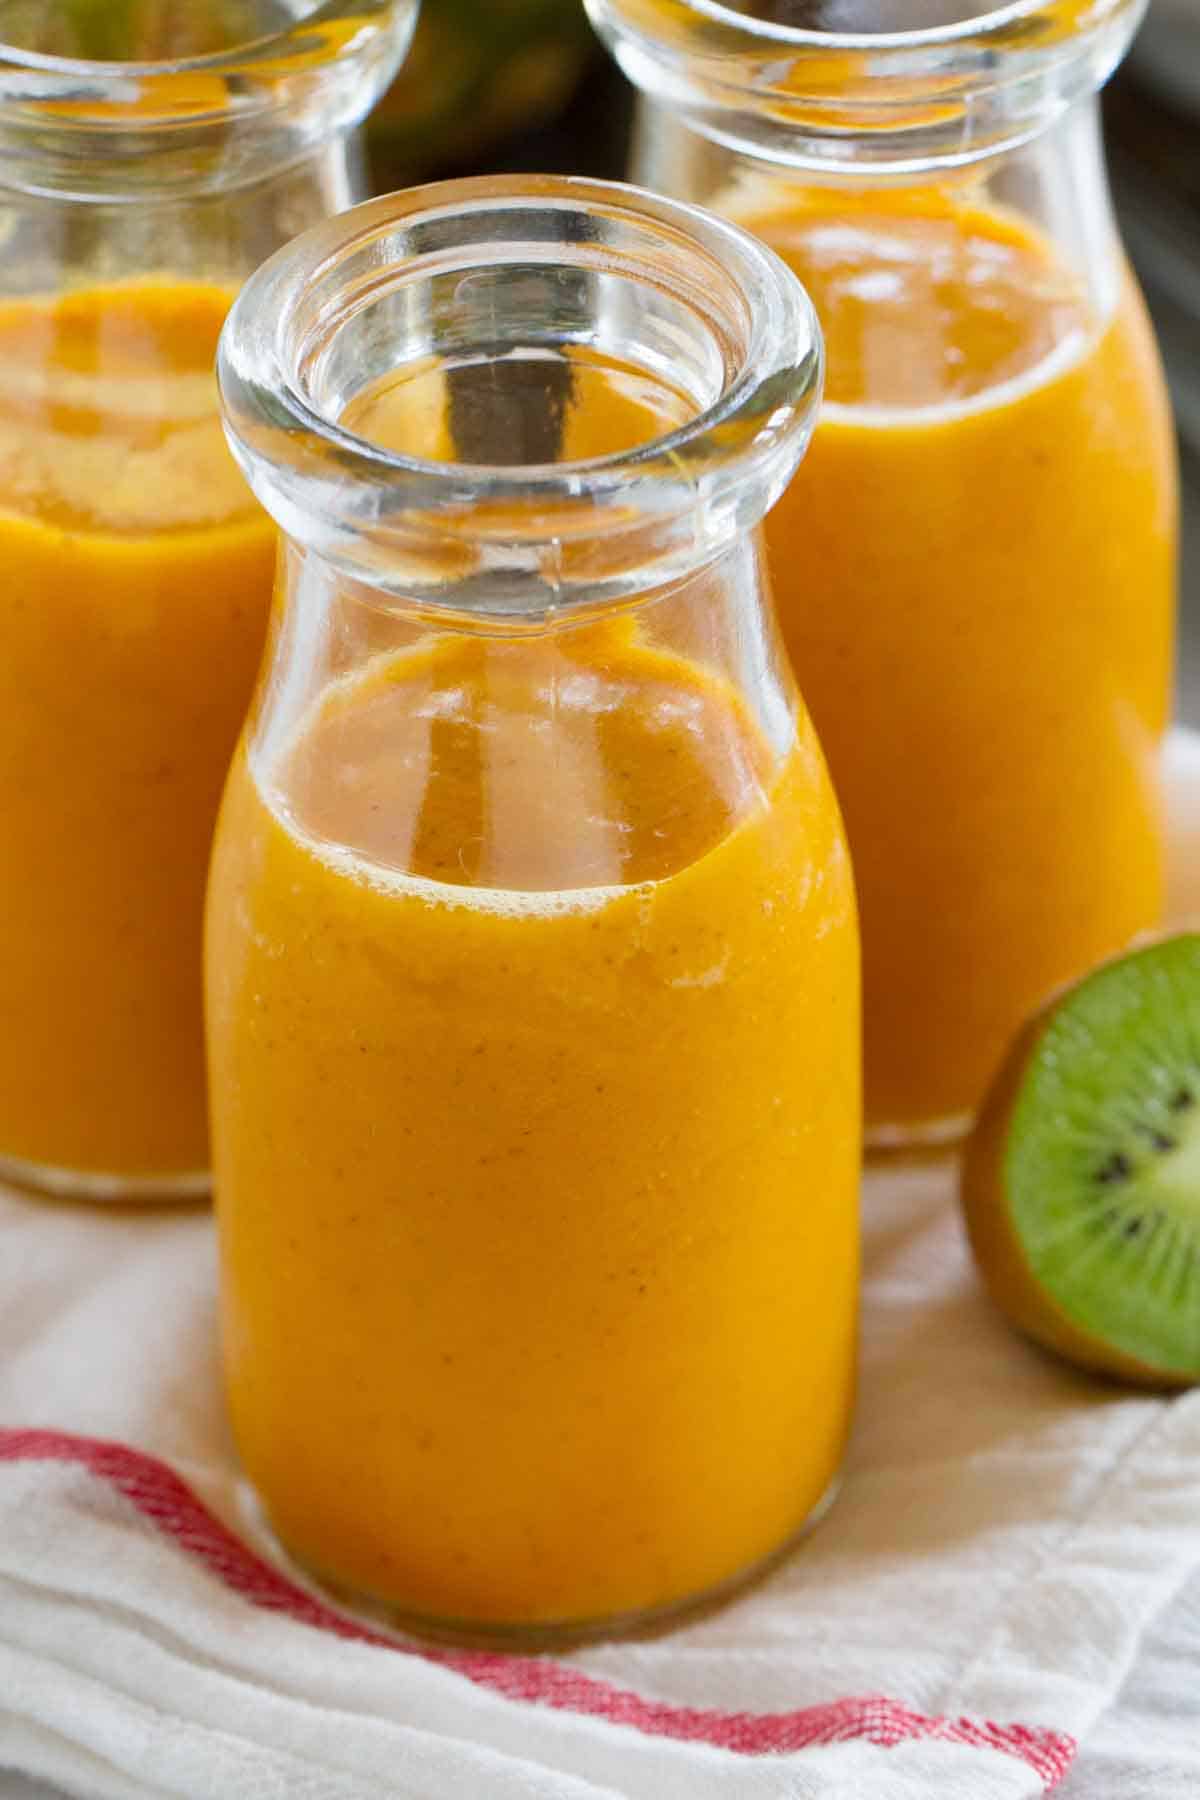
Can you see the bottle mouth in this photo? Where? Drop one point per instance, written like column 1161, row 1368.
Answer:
column 123, row 99
column 839, row 85
column 859, row 25
column 497, row 292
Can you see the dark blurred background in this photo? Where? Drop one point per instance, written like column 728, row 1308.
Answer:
column 523, row 85
column 1152, row 111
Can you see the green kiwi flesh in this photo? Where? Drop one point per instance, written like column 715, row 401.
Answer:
column 1100, row 1172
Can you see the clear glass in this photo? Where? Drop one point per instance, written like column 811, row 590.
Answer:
column 532, row 957
column 975, row 569
column 150, row 157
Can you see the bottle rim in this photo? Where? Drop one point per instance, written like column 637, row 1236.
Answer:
column 519, row 538
column 112, row 128
column 229, row 58
column 857, row 102
column 999, row 19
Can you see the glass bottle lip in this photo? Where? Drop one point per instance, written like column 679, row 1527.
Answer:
column 520, row 540
column 129, row 126
column 977, row 25
column 861, row 102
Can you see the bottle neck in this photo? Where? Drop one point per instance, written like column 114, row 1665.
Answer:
column 979, row 81
column 335, row 640
column 134, row 103
column 53, row 240
column 1056, row 183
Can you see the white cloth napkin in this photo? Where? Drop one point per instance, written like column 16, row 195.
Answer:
column 1007, row 1533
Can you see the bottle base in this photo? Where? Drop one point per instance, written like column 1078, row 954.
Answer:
column 111, row 1190
column 533, row 1636
column 927, row 1137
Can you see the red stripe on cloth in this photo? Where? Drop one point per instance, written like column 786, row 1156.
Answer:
column 160, row 1496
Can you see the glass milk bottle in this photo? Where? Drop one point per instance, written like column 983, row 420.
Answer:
column 532, row 953
column 975, row 568
column 150, row 157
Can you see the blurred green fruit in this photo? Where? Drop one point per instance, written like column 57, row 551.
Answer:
column 477, row 71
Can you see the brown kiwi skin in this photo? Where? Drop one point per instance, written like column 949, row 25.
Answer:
column 997, row 1249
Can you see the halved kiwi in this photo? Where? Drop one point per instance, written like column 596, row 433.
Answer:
column 1081, row 1181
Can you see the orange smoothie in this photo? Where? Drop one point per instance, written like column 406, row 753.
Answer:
column 137, row 573
column 534, row 1053
column 975, row 575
